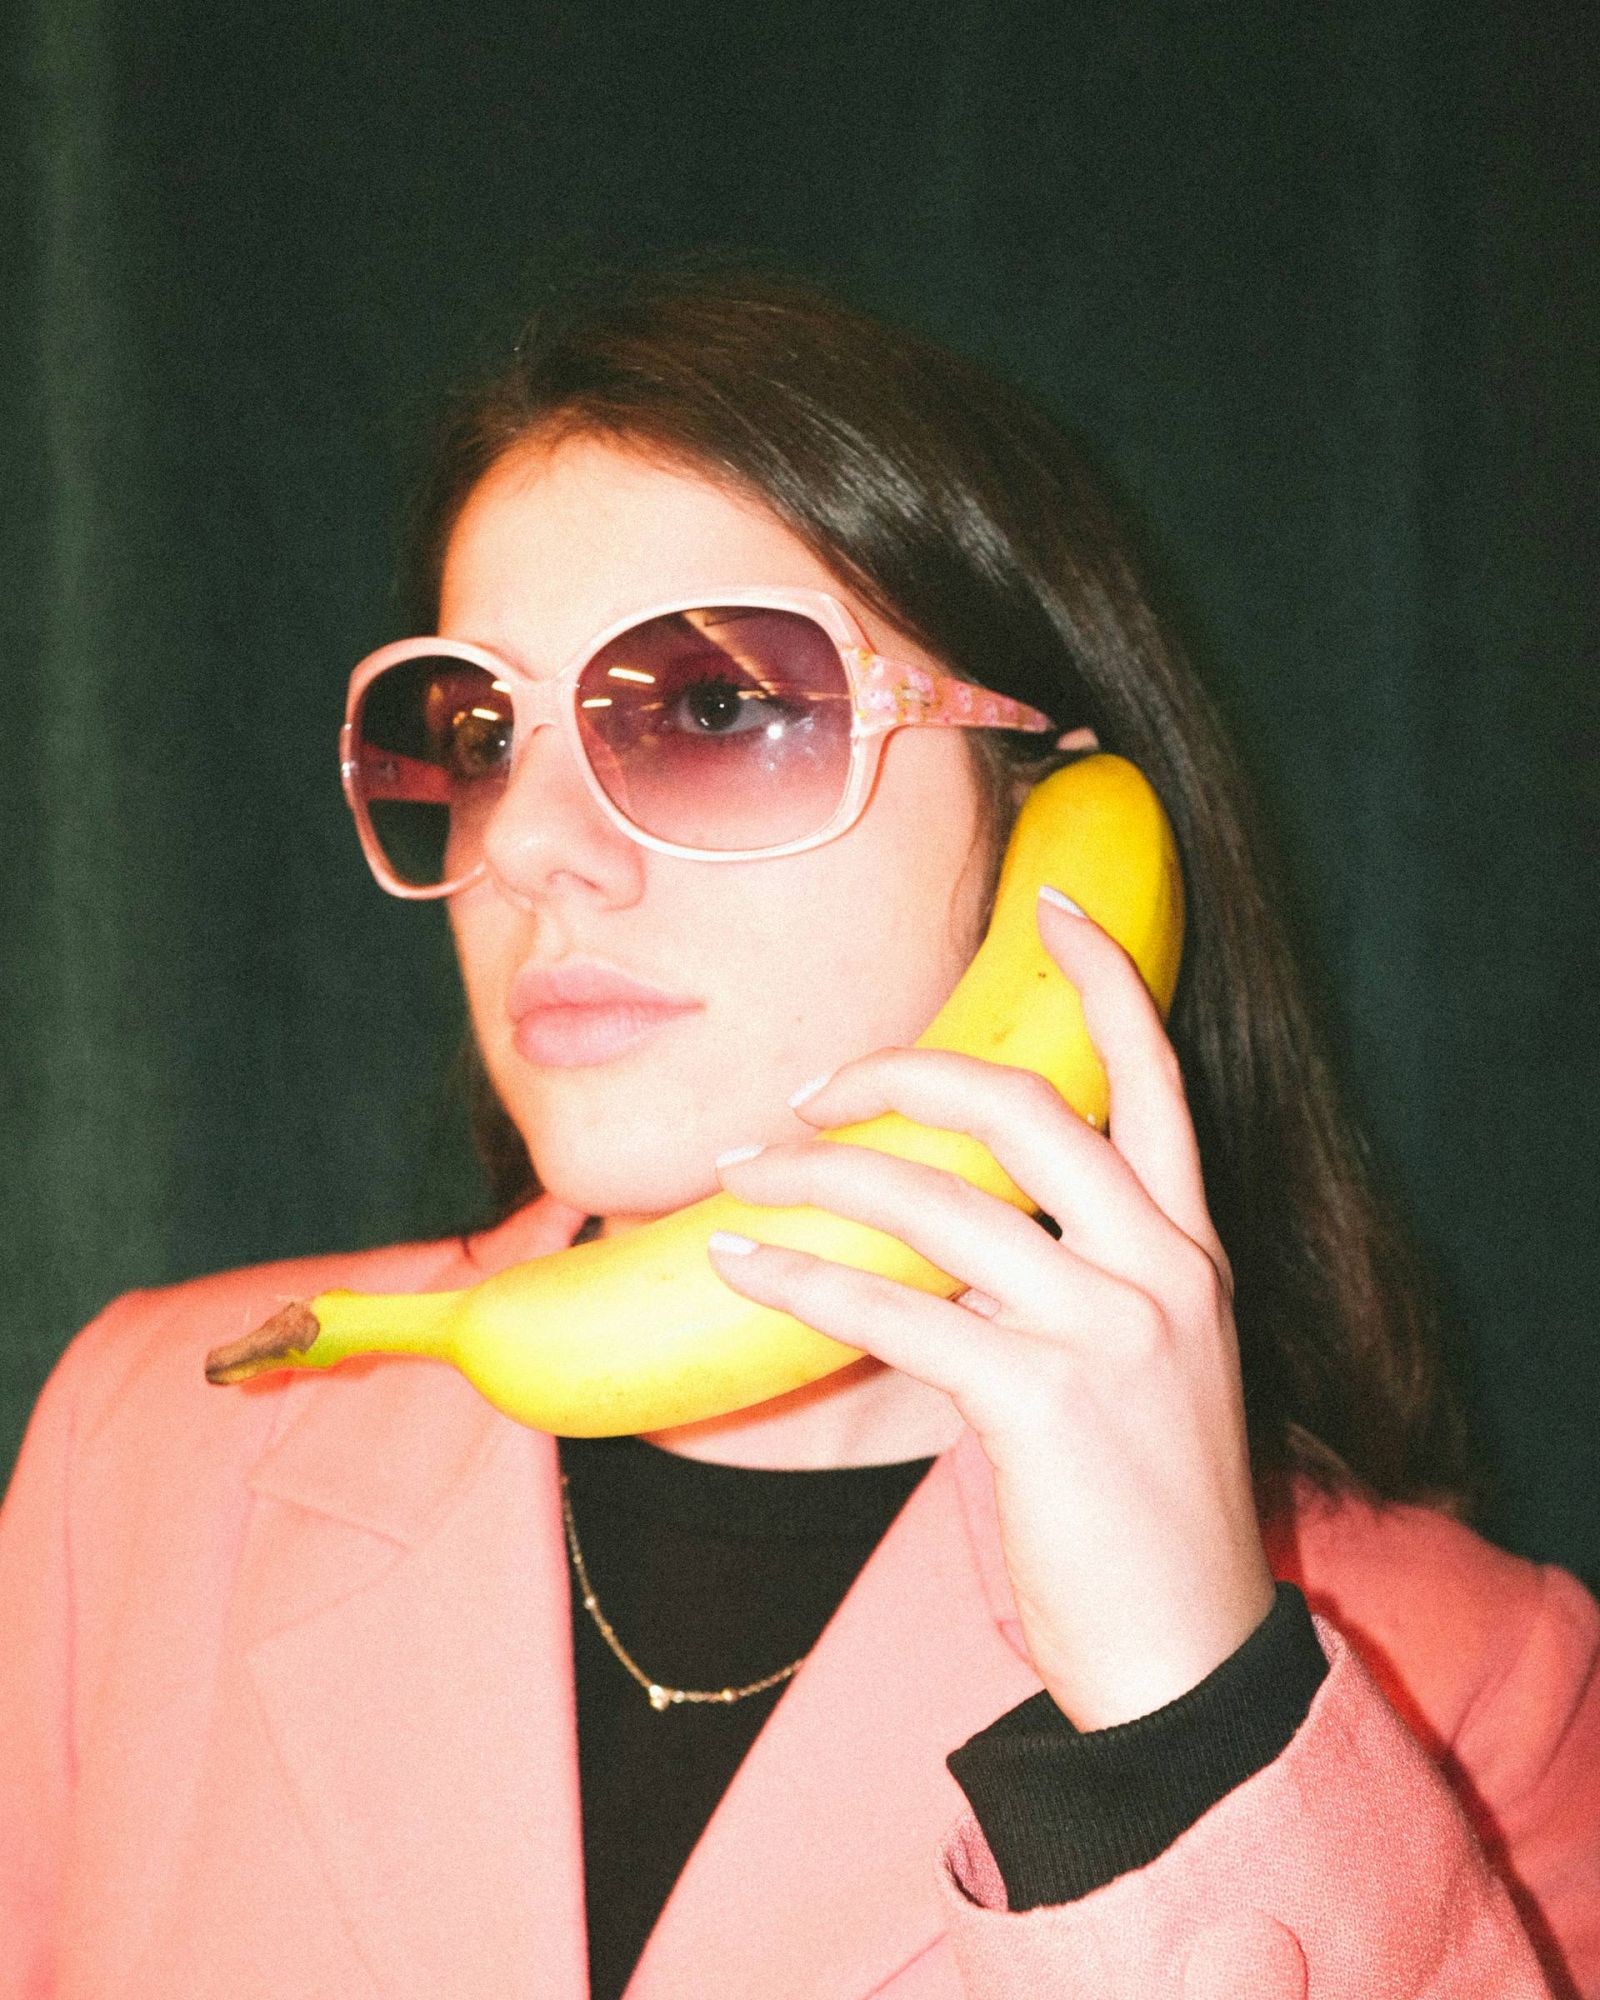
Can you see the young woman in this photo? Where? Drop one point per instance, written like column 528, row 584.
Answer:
column 984, row 1667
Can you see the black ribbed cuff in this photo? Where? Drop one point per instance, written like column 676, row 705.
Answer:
column 1065, row 1811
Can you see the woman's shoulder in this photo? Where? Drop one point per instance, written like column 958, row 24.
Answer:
column 150, row 1345
column 137, row 1368
column 1458, row 1632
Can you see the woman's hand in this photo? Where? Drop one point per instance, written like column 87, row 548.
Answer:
column 1100, row 1372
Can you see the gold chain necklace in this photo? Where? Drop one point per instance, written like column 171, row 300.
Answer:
column 660, row 1697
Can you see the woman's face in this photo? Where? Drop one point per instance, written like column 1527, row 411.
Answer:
column 793, row 965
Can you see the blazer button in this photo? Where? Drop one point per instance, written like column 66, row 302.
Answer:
column 1250, row 1953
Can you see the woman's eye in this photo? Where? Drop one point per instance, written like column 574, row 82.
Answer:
column 717, row 706
column 477, row 743
column 466, row 724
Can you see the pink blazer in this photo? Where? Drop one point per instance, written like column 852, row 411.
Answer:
column 286, row 1710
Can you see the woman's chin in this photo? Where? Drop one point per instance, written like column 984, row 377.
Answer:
column 629, row 1201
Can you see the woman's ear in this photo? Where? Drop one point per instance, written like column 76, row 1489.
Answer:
column 1075, row 742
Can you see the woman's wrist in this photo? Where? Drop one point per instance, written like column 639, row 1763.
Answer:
column 1065, row 1811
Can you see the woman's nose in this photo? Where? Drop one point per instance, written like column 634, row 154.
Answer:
column 547, row 824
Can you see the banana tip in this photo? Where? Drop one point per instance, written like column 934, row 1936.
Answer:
column 274, row 1344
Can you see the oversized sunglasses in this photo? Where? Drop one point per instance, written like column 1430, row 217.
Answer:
column 743, row 727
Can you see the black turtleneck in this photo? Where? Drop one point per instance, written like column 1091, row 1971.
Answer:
column 715, row 1575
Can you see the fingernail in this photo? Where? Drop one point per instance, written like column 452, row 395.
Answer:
column 810, row 1089
column 738, row 1246
column 1060, row 902
column 736, row 1153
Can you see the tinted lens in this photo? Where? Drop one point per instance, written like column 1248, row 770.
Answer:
column 721, row 728
column 433, row 745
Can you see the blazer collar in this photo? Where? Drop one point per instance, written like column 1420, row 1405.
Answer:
column 386, row 1443
column 412, row 1653
column 817, row 1872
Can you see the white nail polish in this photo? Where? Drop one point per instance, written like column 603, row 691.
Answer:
column 810, row 1089
column 1055, row 898
column 725, row 1239
column 735, row 1154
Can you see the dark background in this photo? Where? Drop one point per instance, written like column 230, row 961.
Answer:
column 1317, row 282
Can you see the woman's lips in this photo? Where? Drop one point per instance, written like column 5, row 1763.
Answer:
column 571, row 1037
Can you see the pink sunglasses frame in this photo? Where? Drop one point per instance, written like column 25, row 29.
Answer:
column 885, row 695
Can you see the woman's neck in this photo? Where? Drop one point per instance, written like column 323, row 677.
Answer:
column 866, row 1414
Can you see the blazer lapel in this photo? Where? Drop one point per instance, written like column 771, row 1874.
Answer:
column 411, row 1650
column 816, row 1873
column 412, row 1655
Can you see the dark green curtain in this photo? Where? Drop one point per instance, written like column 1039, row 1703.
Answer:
column 1318, row 284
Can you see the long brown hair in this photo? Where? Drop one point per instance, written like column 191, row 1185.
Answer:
column 967, row 518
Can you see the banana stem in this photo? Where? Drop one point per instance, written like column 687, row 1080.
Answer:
column 336, row 1325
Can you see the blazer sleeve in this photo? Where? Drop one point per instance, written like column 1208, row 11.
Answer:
column 1352, row 1866
column 36, row 1669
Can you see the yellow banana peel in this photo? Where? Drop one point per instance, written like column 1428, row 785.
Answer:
column 638, row 1333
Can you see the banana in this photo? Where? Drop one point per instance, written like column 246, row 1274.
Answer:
column 639, row 1333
